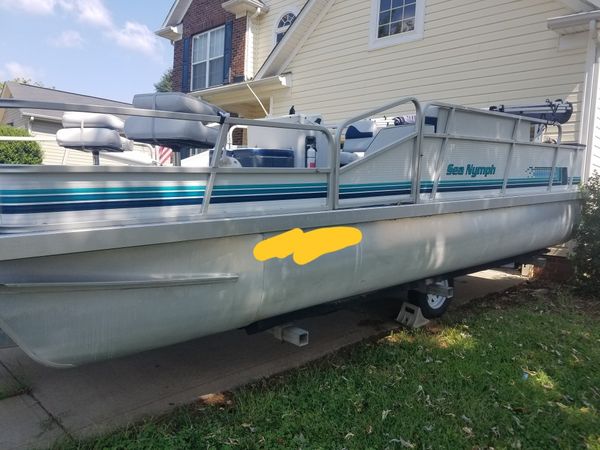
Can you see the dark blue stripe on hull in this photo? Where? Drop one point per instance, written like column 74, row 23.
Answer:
column 266, row 198
column 29, row 209
column 344, row 195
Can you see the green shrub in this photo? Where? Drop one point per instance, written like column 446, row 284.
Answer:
column 587, row 253
column 24, row 152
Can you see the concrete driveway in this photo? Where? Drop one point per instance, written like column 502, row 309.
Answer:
column 88, row 400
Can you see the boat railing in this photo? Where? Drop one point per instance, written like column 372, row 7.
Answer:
column 448, row 135
column 229, row 122
column 445, row 131
column 226, row 122
column 419, row 122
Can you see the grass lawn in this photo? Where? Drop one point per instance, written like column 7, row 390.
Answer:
column 515, row 370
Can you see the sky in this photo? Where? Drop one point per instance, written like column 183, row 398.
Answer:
column 103, row 48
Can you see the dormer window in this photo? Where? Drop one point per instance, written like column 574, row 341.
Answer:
column 282, row 26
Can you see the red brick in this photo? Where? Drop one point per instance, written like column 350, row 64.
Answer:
column 204, row 15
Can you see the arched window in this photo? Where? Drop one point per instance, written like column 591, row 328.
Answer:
column 284, row 23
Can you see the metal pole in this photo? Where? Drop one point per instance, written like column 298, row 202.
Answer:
column 417, row 154
column 509, row 157
column 442, row 155
column 214, row 165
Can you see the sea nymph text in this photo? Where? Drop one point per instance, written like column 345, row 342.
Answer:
column 471, row 170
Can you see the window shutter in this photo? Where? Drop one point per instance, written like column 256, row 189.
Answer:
column 228, row 50
column 186, row 69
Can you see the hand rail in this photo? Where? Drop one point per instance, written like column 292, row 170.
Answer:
column 371, row 113
column 494, row 113
column 118, row 110
column 514, row 141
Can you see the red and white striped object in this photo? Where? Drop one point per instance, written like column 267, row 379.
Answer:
column 164, row 155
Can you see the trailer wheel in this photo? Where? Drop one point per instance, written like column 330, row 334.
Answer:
column 432, row 306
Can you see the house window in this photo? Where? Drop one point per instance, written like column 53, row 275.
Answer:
column 396, row 21
column 208, row 58
column 282, row 26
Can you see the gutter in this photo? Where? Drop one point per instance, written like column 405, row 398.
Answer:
column 284, row 80
column 573, row 20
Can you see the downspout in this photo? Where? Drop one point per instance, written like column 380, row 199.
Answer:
column 586, row 135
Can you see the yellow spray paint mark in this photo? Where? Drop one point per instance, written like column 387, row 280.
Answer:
column 306, row 247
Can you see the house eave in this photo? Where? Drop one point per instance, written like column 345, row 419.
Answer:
column 230, row 94
column 172, row 33
column 176, row 13
column 242, row 8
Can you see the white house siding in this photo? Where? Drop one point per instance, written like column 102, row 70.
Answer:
column 475, row 52
column 14, row 117
column 265, row 34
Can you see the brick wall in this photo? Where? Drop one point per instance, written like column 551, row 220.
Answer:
column 202, row 16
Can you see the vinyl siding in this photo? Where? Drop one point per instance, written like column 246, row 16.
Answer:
column 264, row 40
column 14, row 117
column 475, row 52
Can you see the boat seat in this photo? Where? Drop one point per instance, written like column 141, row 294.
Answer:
column 359, row 136
column 93, row 140
column 92, row 132
column 365, row 136
column 91, row 120
column 171, row 132
column 176, row 102
column 174, row 133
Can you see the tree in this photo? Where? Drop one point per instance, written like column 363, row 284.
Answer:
column 29, row 81
column 18, row 152
column 586, row 260
column 166, row 82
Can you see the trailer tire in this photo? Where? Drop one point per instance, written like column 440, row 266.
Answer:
column 432, row 306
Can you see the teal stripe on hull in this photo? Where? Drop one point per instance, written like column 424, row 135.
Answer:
column 95, row 190
column 55, row 200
